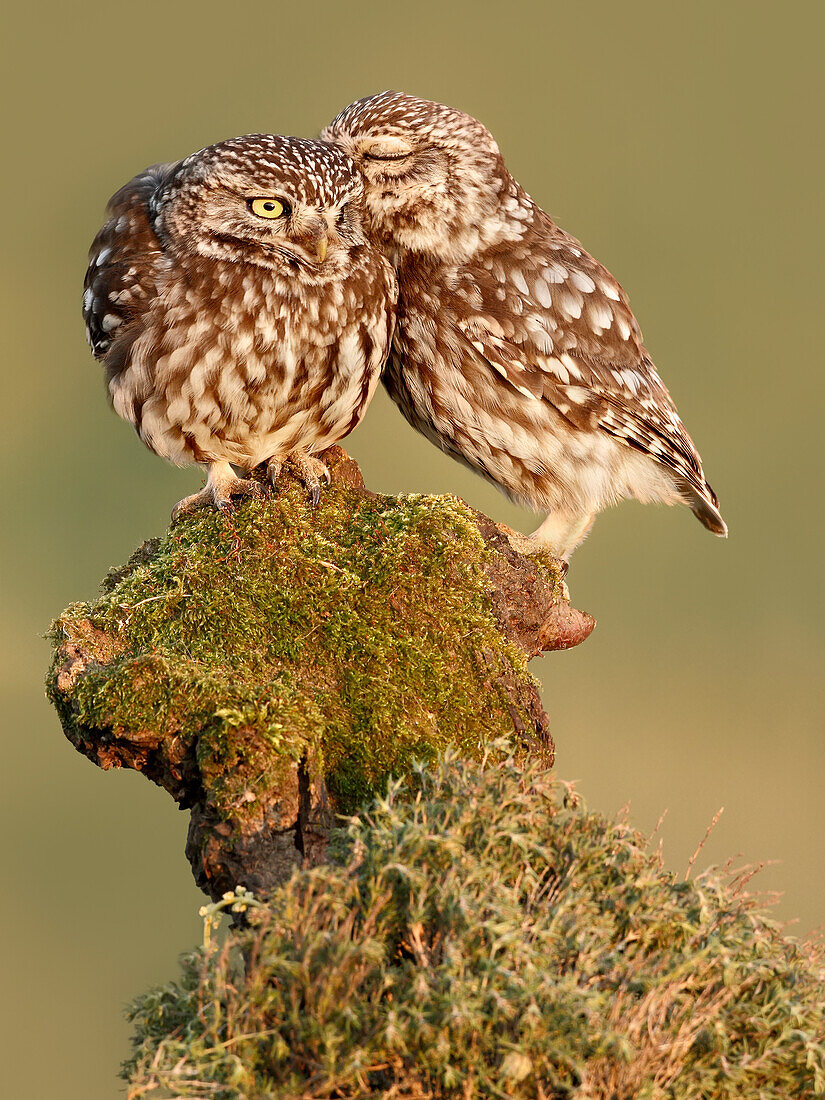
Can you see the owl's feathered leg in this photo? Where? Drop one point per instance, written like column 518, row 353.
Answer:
column 222, row 484
column 561, row 533
column 310, row 471
column 558, row 539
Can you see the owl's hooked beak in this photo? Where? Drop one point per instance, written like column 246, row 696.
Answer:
column 315, row 239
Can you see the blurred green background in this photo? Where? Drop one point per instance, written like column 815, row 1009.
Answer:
column 683, row 145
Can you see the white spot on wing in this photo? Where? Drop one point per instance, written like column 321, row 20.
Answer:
column 582, row 282
column 542, row 292
column 601, row 316
column 556, row 273
column 631, row 380
column 571, row 365
column 571, row 303
column 520, row 283
column 560, row 371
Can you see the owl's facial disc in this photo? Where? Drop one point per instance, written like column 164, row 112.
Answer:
column 410, row 185
column 291, row 206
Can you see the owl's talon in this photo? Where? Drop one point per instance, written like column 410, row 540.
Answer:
column 191, row 504
column 273, row 471
column 240, row 487
column 308, row 469
column 247, row 487
column 218, row 493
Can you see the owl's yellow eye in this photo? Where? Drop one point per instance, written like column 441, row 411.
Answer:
column 268, row 208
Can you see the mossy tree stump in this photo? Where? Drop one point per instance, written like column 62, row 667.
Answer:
column 274, row 666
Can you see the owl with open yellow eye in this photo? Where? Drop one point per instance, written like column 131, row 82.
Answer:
column 240, row 312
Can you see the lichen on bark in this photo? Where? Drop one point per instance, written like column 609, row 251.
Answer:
column 273, row 666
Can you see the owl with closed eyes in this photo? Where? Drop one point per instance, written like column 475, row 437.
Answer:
column 515, row 350
column 241, row 313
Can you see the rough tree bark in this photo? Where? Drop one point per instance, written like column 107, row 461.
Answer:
column 272, row 667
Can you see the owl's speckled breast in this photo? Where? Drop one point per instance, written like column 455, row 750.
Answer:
column 238, row 365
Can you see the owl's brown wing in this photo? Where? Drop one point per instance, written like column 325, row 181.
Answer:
column 124, row 260
column 559, row 328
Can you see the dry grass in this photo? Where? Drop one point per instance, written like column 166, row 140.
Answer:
column 492, row 938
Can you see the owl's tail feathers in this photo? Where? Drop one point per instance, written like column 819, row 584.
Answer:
column 706, row 509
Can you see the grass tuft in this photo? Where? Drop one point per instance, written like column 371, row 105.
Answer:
column 488, row 936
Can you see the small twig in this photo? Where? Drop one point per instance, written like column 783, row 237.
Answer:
column 151, row 599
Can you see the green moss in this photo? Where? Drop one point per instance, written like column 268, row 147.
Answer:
column 351, row 630
column 490, row 937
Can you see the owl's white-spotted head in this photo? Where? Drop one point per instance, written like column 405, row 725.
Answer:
column 435, row 178
column 286, row 204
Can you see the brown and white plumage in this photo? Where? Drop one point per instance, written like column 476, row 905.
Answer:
column 515, row 350
column 236, row 337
